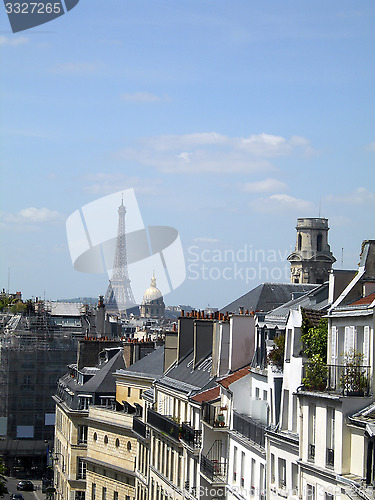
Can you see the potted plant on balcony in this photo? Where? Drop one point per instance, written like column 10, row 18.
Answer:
column 315, row 374
column 353, row 380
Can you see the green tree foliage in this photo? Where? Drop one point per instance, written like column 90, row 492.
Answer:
column 276, row 354
column 3, row 487
column 314, row 339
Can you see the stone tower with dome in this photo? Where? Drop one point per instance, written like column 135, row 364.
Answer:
column 152, row 305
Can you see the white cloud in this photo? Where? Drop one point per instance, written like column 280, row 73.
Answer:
column 142, row 97
column 77, row 68
column 265, row 186
column 359, row 196
column 213, row 152
column 13, row 41
column 370, row 146
column 282, row 203
column 32, row 215
column 107, row 183
column 204, row 239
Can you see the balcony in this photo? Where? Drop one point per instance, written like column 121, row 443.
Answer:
column 351, row 379
column 190, row 436
column 214, row 415
column 330, row 458
column 164, row 424
column 140, row 428
column 214, row 470
column 249, row 428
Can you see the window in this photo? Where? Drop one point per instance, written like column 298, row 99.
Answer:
column 115, row 495
column 310, row 492
column 312, row 423
column 93, row 491
column 129, row 446
column 105, row 439
column 242, row 469
column 140, row 393
column 330, row 458
column 272, row 468
column 282, row 473
column 84, row 402
column 82, row 434
column 299, row 243
column 257, row 393
column 81, row 469
column 319, row 241
column 295, row 479
column 235, row 464
column 104, row 493
column 80, row 495
column 117, row 443
column 95, row 436
column 129, row 392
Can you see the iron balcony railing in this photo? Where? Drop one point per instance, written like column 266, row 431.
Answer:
column 214, row 470
column 191, row 436
column 349, row 380
column 249, row 428
column 164, row 424
column 140, row 428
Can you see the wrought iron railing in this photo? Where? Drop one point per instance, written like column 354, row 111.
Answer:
column 214, row 470
column 164, row 424
column 351, row 379
column 140, row 428
column 255, row 431
column 191, row 436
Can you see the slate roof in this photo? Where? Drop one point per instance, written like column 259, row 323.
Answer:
column 151, row 366
column 104, row 381
column 267, row 296
column 184, row 378
column 316, row 299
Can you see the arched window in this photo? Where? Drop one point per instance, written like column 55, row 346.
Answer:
column 299, row 243
column 319, row 241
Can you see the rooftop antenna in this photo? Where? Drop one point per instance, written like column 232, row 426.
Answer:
column 8, row 279
column 320, row 206
column 342, row 258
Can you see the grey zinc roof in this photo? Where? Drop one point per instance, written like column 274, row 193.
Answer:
column 151, row 365
column 184, row 378
column 267, row 296
column 104, row 381
column 316, row 299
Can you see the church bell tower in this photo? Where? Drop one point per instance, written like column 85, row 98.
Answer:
column 312, row 258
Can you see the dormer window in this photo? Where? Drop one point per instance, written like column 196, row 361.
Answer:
column 84, row 402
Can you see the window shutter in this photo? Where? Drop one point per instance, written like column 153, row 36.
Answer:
column 366, row 345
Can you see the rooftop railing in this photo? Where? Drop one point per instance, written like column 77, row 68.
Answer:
column 249, row 428
column 164, row 424
column 191, row 436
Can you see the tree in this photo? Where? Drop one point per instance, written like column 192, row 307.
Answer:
column 314, row 339
column 276, row 354
column 3, row 487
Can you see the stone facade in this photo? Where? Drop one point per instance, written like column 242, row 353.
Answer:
column 312, row 258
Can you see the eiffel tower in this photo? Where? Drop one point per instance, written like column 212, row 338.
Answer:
column 119, row 296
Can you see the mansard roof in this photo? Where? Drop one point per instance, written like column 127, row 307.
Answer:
column 151, row 366
column 268, row 296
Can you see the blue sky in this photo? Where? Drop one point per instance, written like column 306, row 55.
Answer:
column 229, row 119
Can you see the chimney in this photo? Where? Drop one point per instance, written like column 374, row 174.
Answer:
column 203, row 336
column 241, row 341
column 185, row 341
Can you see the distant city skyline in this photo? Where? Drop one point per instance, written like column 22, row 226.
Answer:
column 229, row 123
